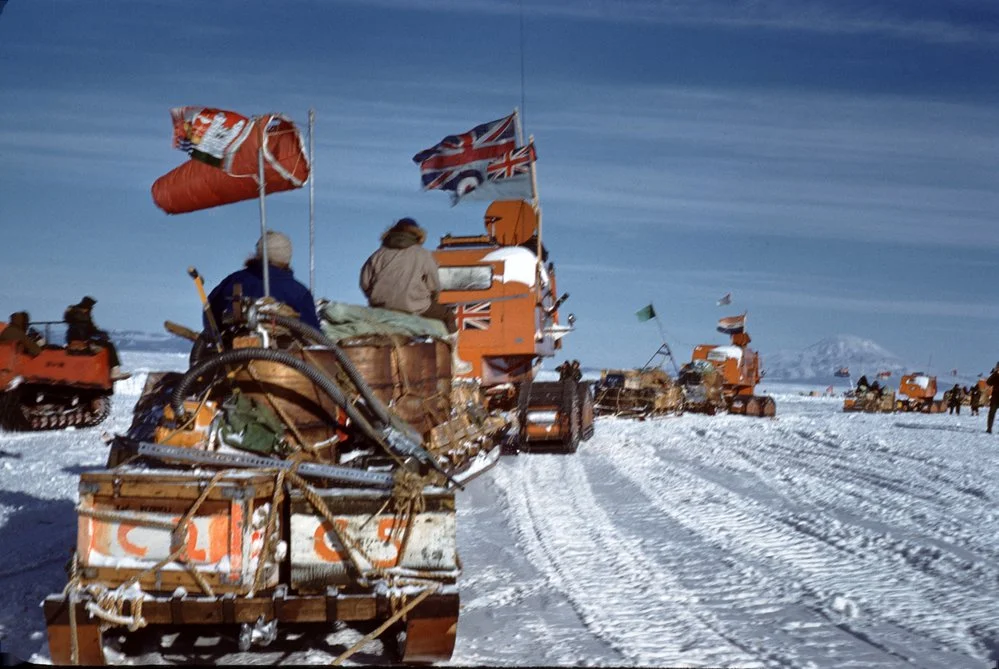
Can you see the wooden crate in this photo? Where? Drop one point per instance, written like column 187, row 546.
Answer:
column 224, row 539
column 376, row 538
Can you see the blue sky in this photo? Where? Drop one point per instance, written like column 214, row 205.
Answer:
column 832, row 163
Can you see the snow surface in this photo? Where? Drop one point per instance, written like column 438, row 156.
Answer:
column 519, row 265
column 817, row 539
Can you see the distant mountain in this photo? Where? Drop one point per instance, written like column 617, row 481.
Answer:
column 818, row 363
column 158, row 342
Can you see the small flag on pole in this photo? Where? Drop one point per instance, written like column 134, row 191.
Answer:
column 732, row 324
column 726, row 299
column 646, row 313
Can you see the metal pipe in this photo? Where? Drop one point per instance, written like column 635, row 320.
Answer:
column 312, row 202
column 262, row 186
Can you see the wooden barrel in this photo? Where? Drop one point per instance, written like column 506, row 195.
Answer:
column 292, row 396
column 410, row 374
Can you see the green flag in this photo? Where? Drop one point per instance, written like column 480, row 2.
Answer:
column 646, row 313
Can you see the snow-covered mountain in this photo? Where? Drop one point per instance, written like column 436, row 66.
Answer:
column 160, row 342
column 819, row 362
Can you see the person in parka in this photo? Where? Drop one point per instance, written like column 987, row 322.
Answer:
column 80, row 327
column 17, row 330
column 283, row 285
column 954, row 399
column 993, row 383
column 975, row 398
column 402, row 275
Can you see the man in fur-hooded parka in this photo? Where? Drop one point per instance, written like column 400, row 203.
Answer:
column 402, row 275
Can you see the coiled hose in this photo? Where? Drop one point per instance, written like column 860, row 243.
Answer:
column 244, row 355
column 310, row 333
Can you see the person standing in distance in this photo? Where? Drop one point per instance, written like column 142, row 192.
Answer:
column 993, row 383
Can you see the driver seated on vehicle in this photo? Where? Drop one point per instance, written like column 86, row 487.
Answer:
column 17, row 330
column 81, row 328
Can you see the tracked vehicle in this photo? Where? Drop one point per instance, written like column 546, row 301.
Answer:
column 63, row 386
column 507, row 306
column 739, row 369
column 916, row 392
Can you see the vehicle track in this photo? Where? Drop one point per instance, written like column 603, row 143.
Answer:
column 902, row 595
column 619, row 593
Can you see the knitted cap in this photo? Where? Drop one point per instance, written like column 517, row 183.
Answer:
column 278, row 248
column 88, row 301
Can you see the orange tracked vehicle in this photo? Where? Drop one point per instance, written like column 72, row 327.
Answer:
column 505, row 299
column 60, row 387
column 916, row 392
column 739, row 366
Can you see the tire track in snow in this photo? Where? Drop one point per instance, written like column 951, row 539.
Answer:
column 952, row 550
column 904, row 603
column 750, row 603
column 616, row 590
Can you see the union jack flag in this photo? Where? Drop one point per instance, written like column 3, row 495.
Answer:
column 474, row 316
column 458, row 162
column 512, row 164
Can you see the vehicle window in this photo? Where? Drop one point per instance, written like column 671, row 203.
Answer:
column 473, row 277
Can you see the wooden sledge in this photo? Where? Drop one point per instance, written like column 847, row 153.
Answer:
column 430, row 627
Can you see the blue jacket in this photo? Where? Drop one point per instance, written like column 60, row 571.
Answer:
column 284, row 288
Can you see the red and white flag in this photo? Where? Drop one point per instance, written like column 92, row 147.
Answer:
column 732, row 324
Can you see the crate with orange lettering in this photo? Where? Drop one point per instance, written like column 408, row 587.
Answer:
column 370, row 532
column 129, row 527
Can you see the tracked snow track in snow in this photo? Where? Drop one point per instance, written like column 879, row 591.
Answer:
column 618, row 592
column 791, row 545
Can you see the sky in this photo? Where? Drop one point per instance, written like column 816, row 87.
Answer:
column 831, row 163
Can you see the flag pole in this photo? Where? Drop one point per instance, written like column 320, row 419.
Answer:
column 312, row 201
column 535, row 199
column 662, row 333
column 262, row 185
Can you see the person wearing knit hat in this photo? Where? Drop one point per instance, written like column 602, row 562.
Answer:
column 278, row 249
column 284, row 287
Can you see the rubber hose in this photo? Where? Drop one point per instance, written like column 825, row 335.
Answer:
column 242, row 355
column 381, row 411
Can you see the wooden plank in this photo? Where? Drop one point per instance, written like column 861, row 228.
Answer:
column 90, row 649
column 291, row 608
column 429, row 640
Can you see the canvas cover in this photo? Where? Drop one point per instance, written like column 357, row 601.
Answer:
column 340, row 320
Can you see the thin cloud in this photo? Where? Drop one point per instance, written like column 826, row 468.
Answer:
column 934, row 24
